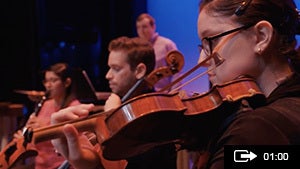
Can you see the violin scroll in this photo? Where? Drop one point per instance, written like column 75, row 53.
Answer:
column 175, row 61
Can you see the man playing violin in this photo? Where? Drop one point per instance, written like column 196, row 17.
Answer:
column 130, row 60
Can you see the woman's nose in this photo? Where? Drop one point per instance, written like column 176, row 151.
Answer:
column 47, row 85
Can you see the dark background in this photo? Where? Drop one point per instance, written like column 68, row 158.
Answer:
column 37, row 33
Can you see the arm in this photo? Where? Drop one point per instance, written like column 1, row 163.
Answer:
column 77, row 148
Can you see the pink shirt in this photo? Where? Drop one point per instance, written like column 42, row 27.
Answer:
column 47, row 158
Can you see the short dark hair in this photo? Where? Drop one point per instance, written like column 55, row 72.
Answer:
column 145, row 15
column 62, row 70
column 138, row 51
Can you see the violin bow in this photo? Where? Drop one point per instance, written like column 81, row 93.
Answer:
column 218, row 60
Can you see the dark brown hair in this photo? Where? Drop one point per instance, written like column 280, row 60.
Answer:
column 138, row 51
column 145, row 15
column 64, row 71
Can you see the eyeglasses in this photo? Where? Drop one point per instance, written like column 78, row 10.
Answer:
column 51, row 80
column 206, row 45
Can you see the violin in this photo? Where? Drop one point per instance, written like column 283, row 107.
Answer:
column 206, row 112
column 230, row 92
column 138, row 128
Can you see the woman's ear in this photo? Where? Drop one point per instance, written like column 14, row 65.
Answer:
column 264, row 34
column 140, row 70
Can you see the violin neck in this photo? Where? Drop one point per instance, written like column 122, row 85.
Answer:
column 56, row 131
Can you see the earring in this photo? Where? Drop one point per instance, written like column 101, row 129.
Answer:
column 259, row 51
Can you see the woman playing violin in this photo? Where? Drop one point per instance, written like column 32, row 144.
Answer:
column 255, row 38
column 130, row 60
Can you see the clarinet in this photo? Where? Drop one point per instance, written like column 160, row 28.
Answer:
column 40, row 103
column 38, row 107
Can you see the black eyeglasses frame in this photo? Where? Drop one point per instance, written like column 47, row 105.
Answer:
column 211, row 38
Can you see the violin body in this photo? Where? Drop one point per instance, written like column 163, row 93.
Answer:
column 142, row 123
column 16, row 151
column 206, row 112
column 230, row 92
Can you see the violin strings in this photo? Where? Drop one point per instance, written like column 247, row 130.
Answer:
column 189, row 81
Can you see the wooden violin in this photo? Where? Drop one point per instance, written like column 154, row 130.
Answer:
column 128, row 130
column 206, row 112
column 232, row 91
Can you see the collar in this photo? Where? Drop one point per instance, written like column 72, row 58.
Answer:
column 154, row 37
